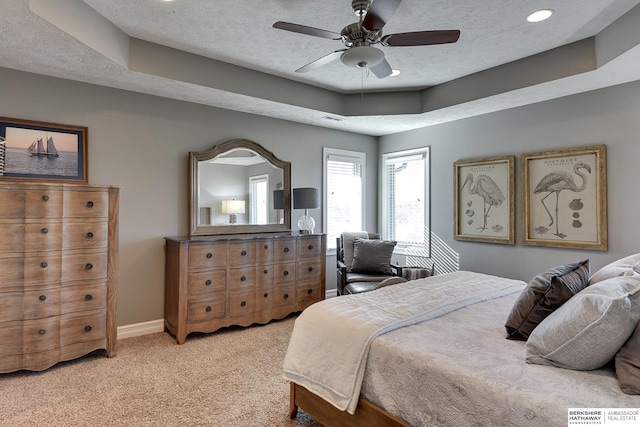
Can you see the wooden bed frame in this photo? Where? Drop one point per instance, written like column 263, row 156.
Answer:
column 367, row 414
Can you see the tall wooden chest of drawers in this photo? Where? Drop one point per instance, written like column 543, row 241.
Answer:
column 58, row 272
column 213, row 282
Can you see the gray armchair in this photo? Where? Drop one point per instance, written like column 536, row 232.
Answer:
column 364, row 263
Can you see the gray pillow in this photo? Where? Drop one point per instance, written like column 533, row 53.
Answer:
column 589, row 329
column 544, row 294
column 627, row 266
column 628, row 364
column 372, row 256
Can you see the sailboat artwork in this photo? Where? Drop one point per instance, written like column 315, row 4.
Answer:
column 38, row 148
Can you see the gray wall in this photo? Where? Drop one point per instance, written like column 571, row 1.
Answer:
column 141, row 143
column 607, row 116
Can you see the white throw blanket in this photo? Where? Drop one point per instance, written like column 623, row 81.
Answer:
column 330, row 342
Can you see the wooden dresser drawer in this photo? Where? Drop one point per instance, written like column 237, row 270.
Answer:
column 264, row 251
column 42, row 235
column 242, row 304
column 208, row 255
column 242, row 253
column 284, row 273
column 42, row 267
column 11, row 272
column 86, row 204
column 284, row 296
column 284, row 249
column 11, row 307
column 206, row 282
column 264, row 276
column 41, row 335
column 12, row 236
column 85, row 235
column 11, row 339
column 41, row 303
column 45, row 202
column 83, row 326
column 83, row 297
column 205, row 309
column 12, row 202
column 84, row 265
column 242, row 279
column 264, row 300
column 308, row 270
column 310, row 247
column 309, row 293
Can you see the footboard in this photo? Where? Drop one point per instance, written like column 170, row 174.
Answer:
column 367, row 414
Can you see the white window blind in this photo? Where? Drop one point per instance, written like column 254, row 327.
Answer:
column 406, row 199
column 344, row 197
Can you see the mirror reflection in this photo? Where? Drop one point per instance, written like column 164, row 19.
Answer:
column 237, row 187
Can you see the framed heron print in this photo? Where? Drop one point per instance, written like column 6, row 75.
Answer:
column 42, row 151
column 565, row 198
column 484, row 200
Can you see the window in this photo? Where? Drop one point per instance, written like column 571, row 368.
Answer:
column 258, row 213
column 344, row 176
column 405, row 200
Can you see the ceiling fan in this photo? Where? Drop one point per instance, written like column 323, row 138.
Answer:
column 360, row 37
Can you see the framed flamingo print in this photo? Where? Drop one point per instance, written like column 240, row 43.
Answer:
column 484, row 200
column 565, row 198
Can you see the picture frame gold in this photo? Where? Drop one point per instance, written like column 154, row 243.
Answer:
column 31, row 150
column 484, row 200
column 564, row 198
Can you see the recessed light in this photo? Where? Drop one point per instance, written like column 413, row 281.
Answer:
column 540, row 15
column 394, row 73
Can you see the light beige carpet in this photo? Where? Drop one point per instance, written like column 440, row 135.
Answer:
column 229, row 378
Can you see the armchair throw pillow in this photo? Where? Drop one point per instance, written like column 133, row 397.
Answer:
column 372, row 256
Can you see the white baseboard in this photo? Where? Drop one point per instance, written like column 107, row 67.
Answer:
column 137, row 329
column 330, row 293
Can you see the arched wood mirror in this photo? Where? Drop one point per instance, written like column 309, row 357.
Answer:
column 239, row 187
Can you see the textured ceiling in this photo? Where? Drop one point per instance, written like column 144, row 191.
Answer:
column 225, row 53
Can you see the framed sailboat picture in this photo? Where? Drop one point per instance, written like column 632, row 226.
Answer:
column 42, row 151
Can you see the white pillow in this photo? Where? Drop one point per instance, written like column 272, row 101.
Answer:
column 587, row 331
column 627, row 266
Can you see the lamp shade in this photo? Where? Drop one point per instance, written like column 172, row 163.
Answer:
column 233, row 206
column 306, row 198
column 278, row 199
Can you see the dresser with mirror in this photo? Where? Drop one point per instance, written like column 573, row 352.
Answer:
column 240, row 263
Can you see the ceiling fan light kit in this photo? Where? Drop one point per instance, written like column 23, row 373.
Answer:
column 360, row 36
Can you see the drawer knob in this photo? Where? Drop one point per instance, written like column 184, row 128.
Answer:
column 265, row 271
column 266, row 246
column 286, row 296
column 42, row 331
column 89, row 235
column 89, row 266
column 243, row 303
column 243, row 253
column 310, row 269
column 243, row 278
column 45, row 198
column 44, row 264
column 208, row 282
column 310, row 247
column 310, row 291
column 45, row 230
column 285, row 273
column 42, row 297
column 89, row 204
column 208, row 309
column 209, row 255
column 87, row 328
column 266, row 295
column 88, row 297
column 286, row 250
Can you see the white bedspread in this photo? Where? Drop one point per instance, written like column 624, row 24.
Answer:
column 330, row 341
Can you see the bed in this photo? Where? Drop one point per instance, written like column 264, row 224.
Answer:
column 432, row 352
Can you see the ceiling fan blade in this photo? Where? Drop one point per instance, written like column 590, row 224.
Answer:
column 422, row 38
column 381, row 69
column 321, row 61
column 379, row 13
column 303, row 29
